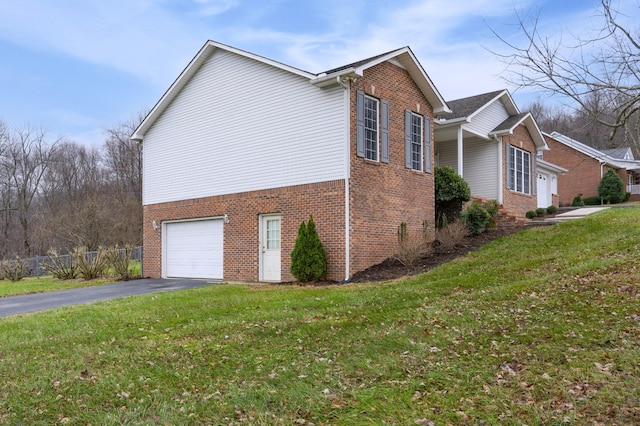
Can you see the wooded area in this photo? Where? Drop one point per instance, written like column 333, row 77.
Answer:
column 56, row 193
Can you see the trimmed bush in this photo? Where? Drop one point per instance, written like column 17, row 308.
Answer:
column 308, row 258
column 540, row 211
column 577, row 201
column 476, row 218
column 531, row 214
column 592, row 201
column 552, row 209
column 611, row 188
column 451, row 192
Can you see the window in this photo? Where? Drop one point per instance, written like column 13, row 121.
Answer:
column 417, row 141
column 370, row 128
column 273, row 234
column 518, row 170
column 415, row 123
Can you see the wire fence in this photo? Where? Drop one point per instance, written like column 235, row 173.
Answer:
column 35, row 268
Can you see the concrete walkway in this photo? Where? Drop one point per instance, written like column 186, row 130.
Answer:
column 578, row 213
column 14, row 305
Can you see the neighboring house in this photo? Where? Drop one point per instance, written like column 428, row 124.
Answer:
column 586, row 166
column 241, row 149
column 494, row 147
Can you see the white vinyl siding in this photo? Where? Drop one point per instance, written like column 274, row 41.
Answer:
column 447, row 154
column 481, row 164
column 482, row 167
column 241, row 125
column 487, row 119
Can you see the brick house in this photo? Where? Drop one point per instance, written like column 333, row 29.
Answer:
column 494, row 147
column 586, row 165
column 241, row 149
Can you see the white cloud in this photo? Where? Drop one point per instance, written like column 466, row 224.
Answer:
column 214, row 7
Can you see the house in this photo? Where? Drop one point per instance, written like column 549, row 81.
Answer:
column 586, row 165
column 494, row 147
column 241, row 149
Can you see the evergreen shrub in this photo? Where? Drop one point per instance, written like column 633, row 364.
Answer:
column 451, row 192
column 611, row 188
column 308, row 258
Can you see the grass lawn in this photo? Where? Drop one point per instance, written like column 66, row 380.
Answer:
column 47, row 283
column 542, row 327
column 44, row 284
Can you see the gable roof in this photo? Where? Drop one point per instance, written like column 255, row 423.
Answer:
column 463, row 110
column 594, row 153
column 470, row 106
column 404, row 57
column 622, row 153
column 509, row 125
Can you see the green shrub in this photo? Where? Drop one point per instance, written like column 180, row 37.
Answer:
column 577, row 201
column 592, row 201
column 493, row 207
column 13, row 270
column 611, row 188
column 531, row 214
column 451, row 192
column 540, row 211
column 476, row 218
column 308, row 258
column 552, row 209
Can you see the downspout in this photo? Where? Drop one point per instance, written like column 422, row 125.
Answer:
column 346, row 85
column 500, row 170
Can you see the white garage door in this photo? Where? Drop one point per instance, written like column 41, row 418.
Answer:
column 194, row 249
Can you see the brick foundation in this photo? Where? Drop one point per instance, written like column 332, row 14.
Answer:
column 325, row 201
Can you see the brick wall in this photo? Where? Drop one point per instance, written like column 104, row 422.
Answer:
column 583, row 175
column 385, row 194
column 325, row 201
column 516, row 203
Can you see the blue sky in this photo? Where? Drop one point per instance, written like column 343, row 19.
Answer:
column 77, row 67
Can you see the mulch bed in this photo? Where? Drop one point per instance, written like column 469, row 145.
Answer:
column 392, row 269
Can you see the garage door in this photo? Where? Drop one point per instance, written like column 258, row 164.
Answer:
column 194, row 249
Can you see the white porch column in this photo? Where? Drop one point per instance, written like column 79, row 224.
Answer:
column 460, row 153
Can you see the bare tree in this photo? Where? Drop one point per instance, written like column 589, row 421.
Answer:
column 123, row 159
column 72, row 190
column 24, row 162
column 604, row 66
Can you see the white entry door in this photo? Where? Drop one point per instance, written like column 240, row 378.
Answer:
column 544, row 196
column 270, row 248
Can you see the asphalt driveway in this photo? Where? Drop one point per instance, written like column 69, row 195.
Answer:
column 24, row 304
